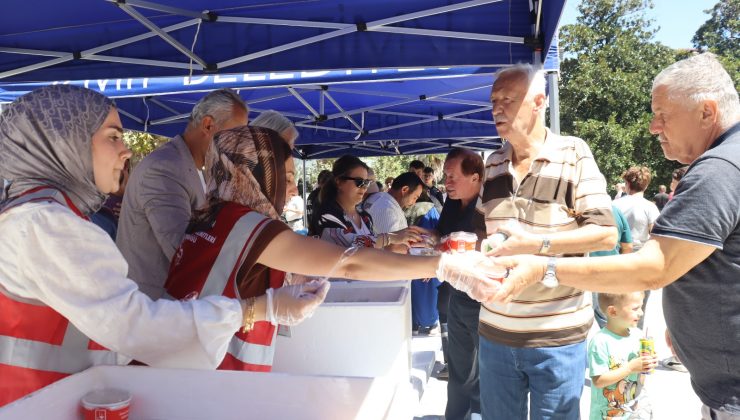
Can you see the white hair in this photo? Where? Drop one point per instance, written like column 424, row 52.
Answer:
column 700, row 78
column 276, row 122
column 219, row 105
column 535, row 77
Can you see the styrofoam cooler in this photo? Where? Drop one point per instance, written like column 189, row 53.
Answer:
column 178, row 394
column 350, row 360
column 358, row 331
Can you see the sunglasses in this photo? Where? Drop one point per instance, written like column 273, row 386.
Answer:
column 359, row 182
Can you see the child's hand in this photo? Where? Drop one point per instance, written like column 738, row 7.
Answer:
column 643, row 363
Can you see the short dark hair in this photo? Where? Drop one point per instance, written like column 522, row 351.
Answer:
column 428, row 170
column 416, row 164
column 471, row 162
column 408, row 179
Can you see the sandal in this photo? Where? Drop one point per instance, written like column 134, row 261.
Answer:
column 674, row 364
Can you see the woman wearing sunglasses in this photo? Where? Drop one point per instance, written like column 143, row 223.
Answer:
column 341, row 222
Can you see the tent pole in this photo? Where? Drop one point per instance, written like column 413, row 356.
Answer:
column 305, row 186
column 554, row 102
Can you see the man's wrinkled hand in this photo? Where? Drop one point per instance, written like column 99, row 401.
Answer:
column 524, row 271
column 518, row 241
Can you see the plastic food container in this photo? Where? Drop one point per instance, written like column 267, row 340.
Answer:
column 461, row 242
column 106, row 404
column 426, row 252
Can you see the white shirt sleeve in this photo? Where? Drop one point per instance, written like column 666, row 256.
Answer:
column 386, row 220
column 51, row 255
column 387, row 215
column 653, row 213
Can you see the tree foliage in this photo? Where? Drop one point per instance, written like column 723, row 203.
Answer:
column 141, row 144
column 607, row 73
column 720, row 34
column 610, row 62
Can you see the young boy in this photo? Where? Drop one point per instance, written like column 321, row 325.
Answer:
column 615, row 362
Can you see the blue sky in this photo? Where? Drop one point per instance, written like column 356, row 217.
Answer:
column 678, row 20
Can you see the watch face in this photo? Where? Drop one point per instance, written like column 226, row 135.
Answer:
column 550, row 280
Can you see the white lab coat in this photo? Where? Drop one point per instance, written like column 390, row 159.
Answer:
column 49, row 254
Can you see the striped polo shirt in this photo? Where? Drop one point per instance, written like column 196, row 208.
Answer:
column 562, row 191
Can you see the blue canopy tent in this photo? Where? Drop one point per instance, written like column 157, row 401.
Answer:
column 98, row 39
column 365, row 112
column 394, row 112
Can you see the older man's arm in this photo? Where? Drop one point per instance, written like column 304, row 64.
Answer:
column 587, row 238
column 659, row 263
column 591, row 209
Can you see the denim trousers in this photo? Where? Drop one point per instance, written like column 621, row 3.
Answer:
column 552, row 376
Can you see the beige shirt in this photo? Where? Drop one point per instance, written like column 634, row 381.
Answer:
column 563, row 191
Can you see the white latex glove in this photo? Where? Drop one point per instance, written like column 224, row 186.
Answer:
column 471, row 272
column 289, row 305
column 293, row 278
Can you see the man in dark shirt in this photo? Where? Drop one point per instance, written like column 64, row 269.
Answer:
column 463, row 176
column 434, row 193
column 661, row 198
column 694, row 250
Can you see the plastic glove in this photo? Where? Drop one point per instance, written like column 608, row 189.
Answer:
column 471, row 272
column 293, row 278
column 289, row 305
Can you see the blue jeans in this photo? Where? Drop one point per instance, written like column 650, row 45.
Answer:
column 552, row 376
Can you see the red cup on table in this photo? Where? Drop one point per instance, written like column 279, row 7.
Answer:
column 106, row 404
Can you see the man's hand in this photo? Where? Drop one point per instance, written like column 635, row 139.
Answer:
column 518, row 241
column 524, row 271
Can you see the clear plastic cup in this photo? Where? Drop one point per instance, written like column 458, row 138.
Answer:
column 493, row 242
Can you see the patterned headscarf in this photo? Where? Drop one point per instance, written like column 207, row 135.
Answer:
column 46, row 139
column 245, row 165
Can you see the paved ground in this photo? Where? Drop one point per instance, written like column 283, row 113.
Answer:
column 670, row 391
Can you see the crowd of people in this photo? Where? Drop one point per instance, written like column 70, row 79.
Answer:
column 202, row 270
column 200, row 243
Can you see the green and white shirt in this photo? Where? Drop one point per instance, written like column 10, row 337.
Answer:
column 627, row 398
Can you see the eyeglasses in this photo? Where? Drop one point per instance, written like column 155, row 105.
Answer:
column 359, row 182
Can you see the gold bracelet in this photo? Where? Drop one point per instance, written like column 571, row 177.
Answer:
column 248, row 321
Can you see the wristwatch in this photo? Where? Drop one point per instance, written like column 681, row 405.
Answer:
column 545, row 248
column 550, row 280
